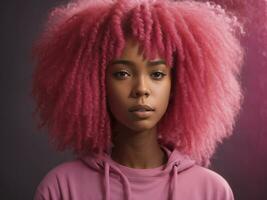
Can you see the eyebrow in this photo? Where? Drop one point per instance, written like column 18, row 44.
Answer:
column 127, row 62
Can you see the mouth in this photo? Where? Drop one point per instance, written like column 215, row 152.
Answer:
column 142, row 111
column 141, row 108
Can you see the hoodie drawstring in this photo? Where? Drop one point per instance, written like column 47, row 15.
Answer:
column 107, row 182
column 173, row 185
column 177, row 163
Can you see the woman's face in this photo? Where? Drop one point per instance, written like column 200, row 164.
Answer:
column 138, row 90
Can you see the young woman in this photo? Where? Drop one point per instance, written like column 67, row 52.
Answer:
column 142, row 91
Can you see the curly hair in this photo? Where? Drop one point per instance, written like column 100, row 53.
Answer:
column 199, row 40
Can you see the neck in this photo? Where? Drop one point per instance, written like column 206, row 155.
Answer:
column 137, row 149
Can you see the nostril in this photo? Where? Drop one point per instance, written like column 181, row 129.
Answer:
column 141, row 93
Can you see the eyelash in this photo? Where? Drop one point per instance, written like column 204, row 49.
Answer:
column 117, row 74
column 160, row 73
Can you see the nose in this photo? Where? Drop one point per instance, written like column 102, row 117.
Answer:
column 140, row 88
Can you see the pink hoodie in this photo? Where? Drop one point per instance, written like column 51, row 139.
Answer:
column 99, row 178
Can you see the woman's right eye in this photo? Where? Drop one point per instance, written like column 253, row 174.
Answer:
column 121, row 74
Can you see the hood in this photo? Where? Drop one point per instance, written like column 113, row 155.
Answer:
column 177, row 162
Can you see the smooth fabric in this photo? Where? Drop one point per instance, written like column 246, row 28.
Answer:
column 100, row 178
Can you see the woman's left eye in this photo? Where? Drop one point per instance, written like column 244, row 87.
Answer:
column 158, row 75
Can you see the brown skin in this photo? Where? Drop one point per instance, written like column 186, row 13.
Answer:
column 141, row 82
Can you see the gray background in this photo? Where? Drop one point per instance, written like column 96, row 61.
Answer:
column 26, row 155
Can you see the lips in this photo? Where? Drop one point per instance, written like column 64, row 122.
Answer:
column 141, row 108
column 142, row 112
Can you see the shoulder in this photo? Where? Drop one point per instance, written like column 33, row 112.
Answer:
column 64, row 170
column 208, row 176
column 51, row 184
column 207, row 182
column 64, row 177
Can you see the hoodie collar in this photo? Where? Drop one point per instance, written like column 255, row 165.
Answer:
column 177, row 162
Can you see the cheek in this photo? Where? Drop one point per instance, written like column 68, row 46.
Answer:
column 116, row 96
column 164, row 90
column 163, row 96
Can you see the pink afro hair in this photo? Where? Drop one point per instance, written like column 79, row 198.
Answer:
column 199, row 40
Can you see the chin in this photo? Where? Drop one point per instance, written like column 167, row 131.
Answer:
column 140, row 126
